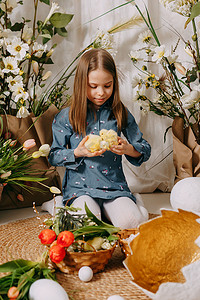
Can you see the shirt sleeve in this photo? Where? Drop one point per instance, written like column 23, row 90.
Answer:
column 60, row 153
column 134, row 137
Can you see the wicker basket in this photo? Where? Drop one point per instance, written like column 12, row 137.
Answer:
column 96, row 260
column 123, row 235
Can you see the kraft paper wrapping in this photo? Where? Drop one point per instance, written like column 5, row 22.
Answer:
column 40, row 130
column 186, row 151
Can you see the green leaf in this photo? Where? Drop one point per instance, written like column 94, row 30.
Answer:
column 61, row 31
column 195, row 12
column 45, row 1
column 46, row 36
column 95, row 219
column 15, row 264
column 59, row 20
column 17, row 27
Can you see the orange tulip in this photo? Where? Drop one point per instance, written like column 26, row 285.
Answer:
column 47, row 236
column 13, row 292
column 56, row 253
column 65, row 238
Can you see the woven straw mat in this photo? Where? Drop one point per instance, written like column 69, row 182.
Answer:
column 19, row 239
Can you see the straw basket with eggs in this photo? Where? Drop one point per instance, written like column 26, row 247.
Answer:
column 76, row 240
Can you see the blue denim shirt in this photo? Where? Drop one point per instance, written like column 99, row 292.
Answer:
column 102, row 176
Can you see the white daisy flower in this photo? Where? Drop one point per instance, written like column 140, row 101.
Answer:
column 159, row 53
column 10, row 65
column 145, row 37
column 19, row 92
column 39, row 49
column 135, row 56
column 22, row 112
column 13, row 80
column 17, row 48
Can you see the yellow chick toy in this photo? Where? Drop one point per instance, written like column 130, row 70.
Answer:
column 105, row 140
column 109, row 137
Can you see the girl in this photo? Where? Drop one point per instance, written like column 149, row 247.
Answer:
column 97, row 178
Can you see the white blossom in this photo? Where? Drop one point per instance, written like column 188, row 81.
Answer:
column 13, row 80
column 46, row 75
column 182, row 7
column 135, row 56
column 17, row 48
column 10, row 5
column 19, row 92
column 136, row 81
column 54, row 8
column 27, row 33
column 145, row 37
column 39, row 49
column 10, row 65
column 22, row 112
column 159, row 53
column 189, row 100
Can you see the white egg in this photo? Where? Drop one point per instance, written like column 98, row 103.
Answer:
column 115, row 297
column 47, row 289
column 85, row 274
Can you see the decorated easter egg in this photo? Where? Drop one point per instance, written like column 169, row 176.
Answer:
column 185, row 194
column 165, row 260
column 47, row 289
column 85, row 274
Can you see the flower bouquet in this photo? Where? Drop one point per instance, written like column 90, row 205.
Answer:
column 176, row 92
column 75, row 240
column 25, row 53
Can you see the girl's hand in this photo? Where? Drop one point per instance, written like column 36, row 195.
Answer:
column 81, row 150
column 124, row 148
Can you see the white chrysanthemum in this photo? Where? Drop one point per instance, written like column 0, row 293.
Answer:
column 10, row 65
column 54, row 8
column 13, row 80
column 27, row 33
column 104, row 40
column 135, row 56
column 10, row 5
column 38, row 49
column 159, row 53
column 17, row 48
column 182, row 7
column 189, row 100
column 22, row 112
column 145, row 37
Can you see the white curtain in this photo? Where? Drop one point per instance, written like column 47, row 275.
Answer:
column 158, row 172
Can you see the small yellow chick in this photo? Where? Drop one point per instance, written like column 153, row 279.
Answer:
column 110, row 137
column 105, row 140
column 93, row 143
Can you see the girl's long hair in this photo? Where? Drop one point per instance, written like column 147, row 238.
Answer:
column 90, row 61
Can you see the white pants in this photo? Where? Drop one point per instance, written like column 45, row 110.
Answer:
column 121, row 212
